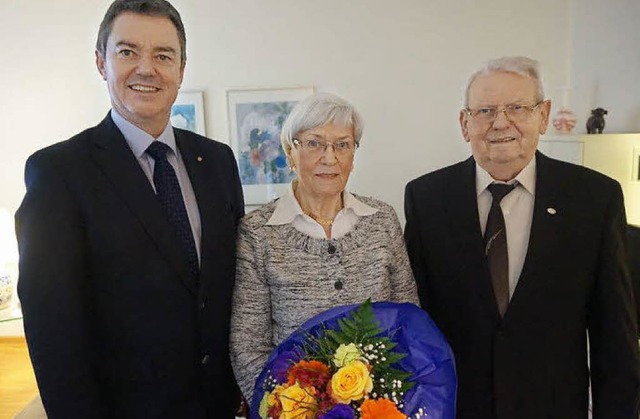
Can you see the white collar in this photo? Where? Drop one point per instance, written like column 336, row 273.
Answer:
column 526, row 178
column 288, row 208
column 138, row 139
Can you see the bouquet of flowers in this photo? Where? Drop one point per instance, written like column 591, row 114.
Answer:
column 380, row 360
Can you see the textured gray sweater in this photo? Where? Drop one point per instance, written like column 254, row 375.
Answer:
column 284, row 277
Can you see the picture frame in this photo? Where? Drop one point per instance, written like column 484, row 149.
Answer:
column 256, row 117
column 187, row 112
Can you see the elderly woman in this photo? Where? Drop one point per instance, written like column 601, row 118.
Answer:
column 316, row 247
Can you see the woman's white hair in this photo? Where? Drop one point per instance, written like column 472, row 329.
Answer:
column 524, row 66
column 317, row 110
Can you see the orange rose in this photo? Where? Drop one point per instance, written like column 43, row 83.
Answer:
column 381, row 409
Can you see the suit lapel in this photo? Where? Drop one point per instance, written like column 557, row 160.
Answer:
column 113, row 155
column 462, row 200
column 543, row 228
column 205, row 180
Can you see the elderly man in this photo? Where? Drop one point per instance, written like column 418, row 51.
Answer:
column 127, row 237
column 519, row 257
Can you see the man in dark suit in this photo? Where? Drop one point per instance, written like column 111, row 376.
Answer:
column 127, row 241
column 633, row 253
column 517, row 256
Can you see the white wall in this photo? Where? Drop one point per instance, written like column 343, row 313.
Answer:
column 402, row 63
column 606, row 63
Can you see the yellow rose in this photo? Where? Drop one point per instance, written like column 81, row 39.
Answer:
column 351, row 382
column 298, row 402
column 274, row 396
column 263, row 411
column 345, row 354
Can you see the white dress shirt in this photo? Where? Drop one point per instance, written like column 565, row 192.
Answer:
column 288, row 210
column 517, row 208
column 138, row 140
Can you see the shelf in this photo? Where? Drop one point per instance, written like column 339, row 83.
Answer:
column 10, row 313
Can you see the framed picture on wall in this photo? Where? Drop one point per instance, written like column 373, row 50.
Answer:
column 255, row 120
column 187, row 112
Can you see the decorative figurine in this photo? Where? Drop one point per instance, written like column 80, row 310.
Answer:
column 596, row 121
column 564, row 121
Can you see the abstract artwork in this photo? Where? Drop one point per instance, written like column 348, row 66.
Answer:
column 187, row 112
column 256, row 118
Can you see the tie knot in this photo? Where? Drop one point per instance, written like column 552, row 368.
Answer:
column 500, row 190
column 158, row 150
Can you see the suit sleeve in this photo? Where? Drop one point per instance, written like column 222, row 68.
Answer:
column 52, row 287
column 237, row 187
column 612, row 324
column 251, row 330
column 414, row 245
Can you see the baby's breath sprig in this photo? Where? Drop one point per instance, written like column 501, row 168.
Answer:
column 269, row 382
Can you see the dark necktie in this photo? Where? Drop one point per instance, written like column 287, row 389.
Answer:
column 170, row 197
column 495, row 247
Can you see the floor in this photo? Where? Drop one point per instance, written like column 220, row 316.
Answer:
column 17, row 382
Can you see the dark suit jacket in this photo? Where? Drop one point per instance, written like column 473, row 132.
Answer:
column 532, row 363
column 114, row 326
column 633, row 251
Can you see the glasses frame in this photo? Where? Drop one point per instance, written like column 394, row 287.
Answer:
column 322, row 150
column 473, row 113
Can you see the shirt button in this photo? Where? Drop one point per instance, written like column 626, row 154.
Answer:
column 331, row 249
column 205, row 359
column 338, row 285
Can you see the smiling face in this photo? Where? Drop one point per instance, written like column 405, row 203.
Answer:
column 322, row 176
column 503, row 148
column 143, row 69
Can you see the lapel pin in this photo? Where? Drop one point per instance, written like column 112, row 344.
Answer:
column 199, row 158
column 551, row 211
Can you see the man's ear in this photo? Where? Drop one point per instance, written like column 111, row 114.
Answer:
column 463, row 119
column 182, row 67
column 100, row 65
column 545, row 110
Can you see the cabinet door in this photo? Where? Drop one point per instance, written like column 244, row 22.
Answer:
column 567, row 150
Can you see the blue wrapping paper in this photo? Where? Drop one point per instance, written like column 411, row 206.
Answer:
column 429, row 357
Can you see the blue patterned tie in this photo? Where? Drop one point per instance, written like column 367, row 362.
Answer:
column 170, row 197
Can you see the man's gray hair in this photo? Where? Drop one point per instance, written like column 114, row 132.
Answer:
column 524, row 66
column 317, row 110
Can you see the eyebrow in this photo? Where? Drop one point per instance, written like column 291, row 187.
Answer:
column 515, row 102
column 346, row 137
column 126, row 44
column 136, row 46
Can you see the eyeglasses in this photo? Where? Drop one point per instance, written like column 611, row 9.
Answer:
column 318, row 147
column 513, row 112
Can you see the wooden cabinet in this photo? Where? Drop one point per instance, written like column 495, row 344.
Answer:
column 568, row 148
column 615, row 155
